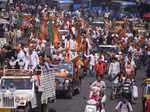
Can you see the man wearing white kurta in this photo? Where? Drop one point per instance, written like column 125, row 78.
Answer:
column 114, row 69
column 20, row 55
column 26, row 60
column 34, row 60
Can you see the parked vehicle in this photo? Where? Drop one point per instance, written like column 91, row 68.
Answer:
column 19, row 91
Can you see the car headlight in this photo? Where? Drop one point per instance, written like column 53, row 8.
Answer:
column 17, row 100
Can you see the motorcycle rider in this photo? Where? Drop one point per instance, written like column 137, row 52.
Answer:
column 98, row 83
column 124, row 105
column 97, row 96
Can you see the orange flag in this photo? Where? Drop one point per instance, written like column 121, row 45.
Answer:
column 79, row 38
column 43, row 30
column 70, row 29
column 77, row 27
column 56, row 36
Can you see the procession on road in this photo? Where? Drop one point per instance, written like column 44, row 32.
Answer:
column 67, row 56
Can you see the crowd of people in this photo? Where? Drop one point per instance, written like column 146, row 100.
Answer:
column 33, row 39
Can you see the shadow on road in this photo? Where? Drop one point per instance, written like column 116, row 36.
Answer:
column 52, row 110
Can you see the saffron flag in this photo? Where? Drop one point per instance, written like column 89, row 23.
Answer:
column 70, row 30
column 43, row 30
column 56, row 36
column 78, row 39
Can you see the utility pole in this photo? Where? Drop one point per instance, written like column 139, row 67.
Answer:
column 90, row 4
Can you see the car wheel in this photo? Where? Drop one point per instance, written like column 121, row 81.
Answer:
column 79, row 87
column 69, row 94
column 45, row 108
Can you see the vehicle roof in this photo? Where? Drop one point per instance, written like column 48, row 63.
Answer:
column 147, row 80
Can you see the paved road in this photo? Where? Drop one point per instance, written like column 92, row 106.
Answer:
column 77, row 104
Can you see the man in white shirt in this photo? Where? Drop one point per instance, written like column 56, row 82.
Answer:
column 12, row 62
column 34, row 60
column 98, row 83
column 114, row 68
column 93, row 61
column 20, row 55
column 21, row 64
column 19, row 33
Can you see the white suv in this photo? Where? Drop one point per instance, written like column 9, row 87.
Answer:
column 19, row 92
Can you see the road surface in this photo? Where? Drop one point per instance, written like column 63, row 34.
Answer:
column 77, row 103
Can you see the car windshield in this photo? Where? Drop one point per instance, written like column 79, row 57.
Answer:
column 108, row 49
column 19, row 83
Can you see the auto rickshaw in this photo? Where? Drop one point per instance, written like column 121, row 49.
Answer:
column 145, row 92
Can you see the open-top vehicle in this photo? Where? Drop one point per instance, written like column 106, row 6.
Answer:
column 19, row 91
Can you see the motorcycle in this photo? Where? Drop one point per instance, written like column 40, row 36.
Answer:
column 115, row 89
column 94, row 105
column 131, row 90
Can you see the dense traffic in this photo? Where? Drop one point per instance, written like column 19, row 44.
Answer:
column 45, row 51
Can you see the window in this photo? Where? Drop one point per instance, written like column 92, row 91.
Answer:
column 148, row 90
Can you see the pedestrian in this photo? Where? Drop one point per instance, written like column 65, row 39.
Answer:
column 114, row 69
column 92, row 62
column 124, row 106
column 100, row 68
